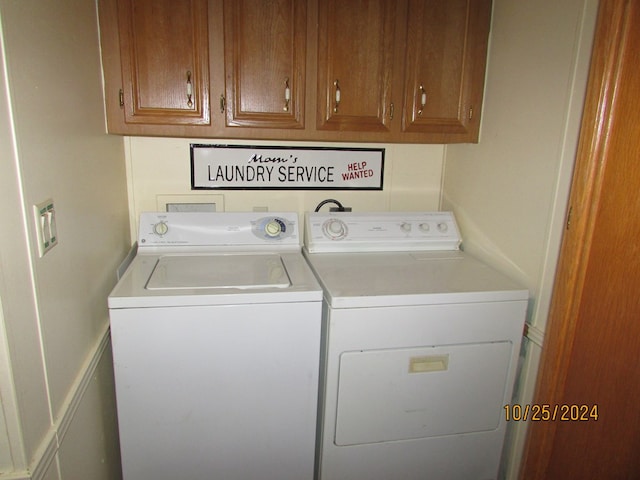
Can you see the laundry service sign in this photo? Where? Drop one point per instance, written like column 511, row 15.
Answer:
column 281, row 168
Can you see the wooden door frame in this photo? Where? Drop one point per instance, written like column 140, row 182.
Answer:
column 591, row 162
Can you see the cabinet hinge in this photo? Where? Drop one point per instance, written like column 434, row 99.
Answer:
column 121, row 97
column 223, row 103
column 569, row 217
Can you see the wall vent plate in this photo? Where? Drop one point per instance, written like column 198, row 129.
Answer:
column 190, row 203
column 46, row 229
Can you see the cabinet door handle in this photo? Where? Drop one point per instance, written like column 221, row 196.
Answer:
column 189, row 90
column 287, row 95
column 337, row 104
column 223, row 103
column 423, row 99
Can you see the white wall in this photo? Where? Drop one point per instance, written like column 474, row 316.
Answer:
column 160, row 166
column 54, row 315
column 510, row 191
column 20, row 325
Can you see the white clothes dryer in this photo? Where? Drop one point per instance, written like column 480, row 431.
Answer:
column 216, row 335
column 420, row 346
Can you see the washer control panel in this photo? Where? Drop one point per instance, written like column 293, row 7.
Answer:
column 384, row 231
column 223, row 229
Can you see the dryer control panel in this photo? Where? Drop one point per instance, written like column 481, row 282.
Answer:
column 381, row 232
column 219, row 229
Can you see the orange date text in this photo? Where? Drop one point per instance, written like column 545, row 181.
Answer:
column 550, row 413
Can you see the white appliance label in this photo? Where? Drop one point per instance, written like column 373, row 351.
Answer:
column 280, row 168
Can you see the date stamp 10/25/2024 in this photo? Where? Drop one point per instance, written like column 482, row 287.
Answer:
column 550, row 413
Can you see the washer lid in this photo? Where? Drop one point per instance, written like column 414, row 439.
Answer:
column 219, row 271
column 207, row 279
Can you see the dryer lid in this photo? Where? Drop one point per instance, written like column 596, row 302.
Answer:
column 239, row 271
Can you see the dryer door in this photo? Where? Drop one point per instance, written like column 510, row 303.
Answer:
column 398, row 394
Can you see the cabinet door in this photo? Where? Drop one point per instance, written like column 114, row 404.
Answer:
column 445, row 65
column 265, row 52
column 356, row 41
column 164, row 55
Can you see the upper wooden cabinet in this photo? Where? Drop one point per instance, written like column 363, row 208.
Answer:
column 164, row 62
column 319, row 70
column 356, row 46
column 445, row 66
column 265, row 47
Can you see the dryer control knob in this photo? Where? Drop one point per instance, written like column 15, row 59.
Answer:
column 405, row 227
column 161, row 228
column 443, row 227
column 424, row 227
column 273, row 228
column 335, row 229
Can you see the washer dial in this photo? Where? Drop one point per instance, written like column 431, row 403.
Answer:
column 161, row 228
column 273, row 228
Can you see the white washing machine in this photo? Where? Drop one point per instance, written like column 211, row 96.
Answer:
column 420, row 346
column 216, row 343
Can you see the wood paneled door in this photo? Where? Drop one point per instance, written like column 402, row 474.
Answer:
column 592, row 352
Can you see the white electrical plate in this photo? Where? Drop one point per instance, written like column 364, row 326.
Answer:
column 46, row 230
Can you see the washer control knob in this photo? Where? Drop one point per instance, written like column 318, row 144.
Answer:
column 424, row 227
column 273, row 228
column 443, row 227
column 161, row 228
column 335, row 229
column 405, row 227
